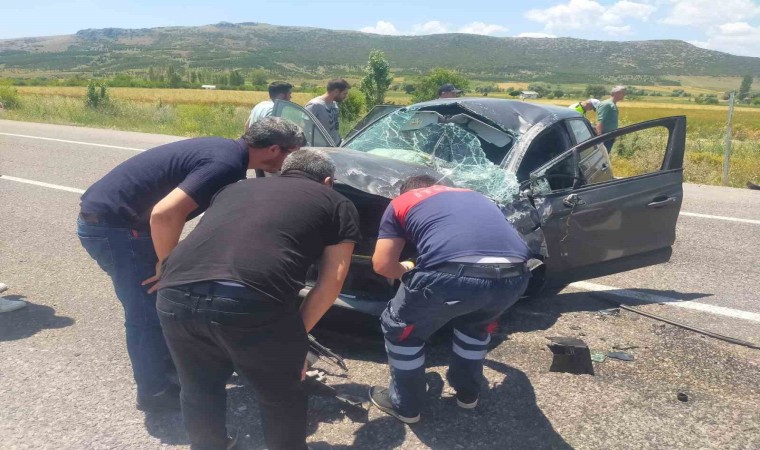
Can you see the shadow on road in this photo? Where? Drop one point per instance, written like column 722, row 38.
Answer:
column 28, row 321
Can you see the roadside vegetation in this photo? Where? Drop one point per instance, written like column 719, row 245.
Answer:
column 107, row 103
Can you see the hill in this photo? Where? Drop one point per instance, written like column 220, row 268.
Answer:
column 319, row 52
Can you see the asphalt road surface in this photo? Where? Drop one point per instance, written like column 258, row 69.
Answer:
column 65, row 379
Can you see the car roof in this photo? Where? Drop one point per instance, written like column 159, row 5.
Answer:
column 512, row 115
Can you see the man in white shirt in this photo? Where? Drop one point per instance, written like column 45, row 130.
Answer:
column 278, row 90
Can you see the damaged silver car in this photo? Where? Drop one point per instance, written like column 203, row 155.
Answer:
column 543, row 165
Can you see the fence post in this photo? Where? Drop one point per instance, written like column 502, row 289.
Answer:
column 727, row 147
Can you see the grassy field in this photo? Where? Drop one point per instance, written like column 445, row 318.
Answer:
column 187, row 112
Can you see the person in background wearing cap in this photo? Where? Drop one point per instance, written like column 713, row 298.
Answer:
column 583, row 107
column 448, row 90
column 607, row 114
column 132, row 218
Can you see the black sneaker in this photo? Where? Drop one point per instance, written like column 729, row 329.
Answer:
column 166, row 400
column 381, row 398
column 467, row 401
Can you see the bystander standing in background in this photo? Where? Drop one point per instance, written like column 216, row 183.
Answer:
column 325, row 107
column 278, row 90
column 607, row 114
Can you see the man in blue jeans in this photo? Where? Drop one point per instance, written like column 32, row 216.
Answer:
column 133, row 217
column 471, row 267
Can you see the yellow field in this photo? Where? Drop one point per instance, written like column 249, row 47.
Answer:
column 514, row 85
column 169, row 96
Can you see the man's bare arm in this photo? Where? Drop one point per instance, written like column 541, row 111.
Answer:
column 333, row 269
column 385, row 260
column 166, row 222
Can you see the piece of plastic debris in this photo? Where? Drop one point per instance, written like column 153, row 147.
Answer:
column 571, row 355
column 622, row 356
column 598, row 357
column 683, row 397
column 612, row 312
column 242, row 408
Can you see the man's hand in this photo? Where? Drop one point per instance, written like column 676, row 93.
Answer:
column 333, row 269
column 154, row 278
column 385, row 259
column 166, row 222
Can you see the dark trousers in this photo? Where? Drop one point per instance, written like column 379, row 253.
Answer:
column 425, row 302
column 210, row 334
column 129, row 258
column 608, row 145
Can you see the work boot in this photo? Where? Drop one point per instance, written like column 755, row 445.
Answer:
column 8, row 305
column 166, row 400
column 467, row 401
column 381, row 398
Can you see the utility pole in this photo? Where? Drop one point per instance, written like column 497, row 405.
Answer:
column 727, row 147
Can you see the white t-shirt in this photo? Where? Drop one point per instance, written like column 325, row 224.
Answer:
column 260, row 111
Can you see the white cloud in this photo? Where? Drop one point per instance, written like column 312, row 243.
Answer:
column 482, row 28
column 590, row 14
column 739, row 38
column 623, row 30
column 537, row 35
column 435, row 27
column 430, row 27
column 710, row 12
column 381, row 27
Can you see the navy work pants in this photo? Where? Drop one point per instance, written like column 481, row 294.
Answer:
column 425, row 302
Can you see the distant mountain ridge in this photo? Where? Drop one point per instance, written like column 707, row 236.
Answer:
column 322, row 52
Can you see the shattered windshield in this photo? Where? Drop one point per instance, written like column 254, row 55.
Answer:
column 462, row 148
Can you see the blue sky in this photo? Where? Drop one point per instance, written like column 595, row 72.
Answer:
column 727, row 25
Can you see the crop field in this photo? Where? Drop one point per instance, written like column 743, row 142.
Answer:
column 192, row 112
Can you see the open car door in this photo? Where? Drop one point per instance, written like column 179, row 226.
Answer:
column 597, row 226
column 316, row 135
column 377, row 112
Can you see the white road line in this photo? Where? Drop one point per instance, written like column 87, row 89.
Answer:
column 730, row 219
column 40, row 183
column 651, row 298
column 74, row 142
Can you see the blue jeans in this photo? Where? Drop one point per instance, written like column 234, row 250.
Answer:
column 128, row 257
column 425, row 302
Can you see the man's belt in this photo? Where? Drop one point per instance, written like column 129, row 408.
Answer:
column 477, row 270
column 212, row 289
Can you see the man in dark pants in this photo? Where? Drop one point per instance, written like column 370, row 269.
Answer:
column 229, row 296
column 471, row 267
column 133, row 217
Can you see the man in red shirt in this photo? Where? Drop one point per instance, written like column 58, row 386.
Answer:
column 471, row 267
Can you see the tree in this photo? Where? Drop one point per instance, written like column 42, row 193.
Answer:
column 427, row 86
column 258, row 77
column 596, row 91
column 409, row 88
column 514, row 93
column 378, row 79
column 558, row 93
column 745, row 87
column 542, row 89
column 236, row 78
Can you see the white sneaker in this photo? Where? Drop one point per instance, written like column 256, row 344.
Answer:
column 8, row 305
column 3, row 287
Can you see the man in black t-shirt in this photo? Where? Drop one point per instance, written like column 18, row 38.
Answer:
column 133, row 217
column 229, row 296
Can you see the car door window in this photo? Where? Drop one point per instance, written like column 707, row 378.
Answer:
column 580, row 130
column 547, row 145
column 638, row 150
column 316, row 136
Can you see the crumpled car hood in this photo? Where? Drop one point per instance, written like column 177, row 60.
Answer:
column 374, row 174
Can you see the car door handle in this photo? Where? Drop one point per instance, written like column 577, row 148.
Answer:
column 658, row 203
column 572, row 200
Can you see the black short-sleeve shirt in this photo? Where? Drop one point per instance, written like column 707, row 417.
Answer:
column 200, row 167
column 264, row 233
